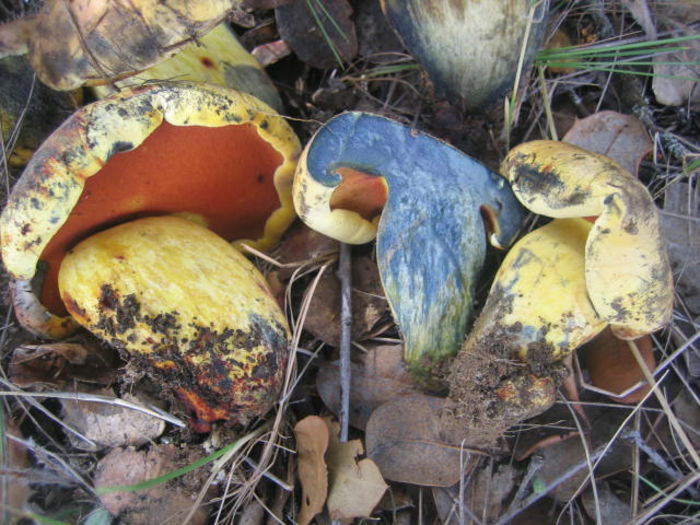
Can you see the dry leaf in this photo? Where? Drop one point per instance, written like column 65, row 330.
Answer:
column 379, row 377
column 312, row 439
column 404, row 438
column 355, row 487
column 486, row 495
column 14, row 465
column 298, row 26
column 623, row 138
column 613, row 367
column 368, row 303
column 89, row 41
column 110, row 426
column 57, row 363
column 611, row 508
column 164, row 503
column 681, row 224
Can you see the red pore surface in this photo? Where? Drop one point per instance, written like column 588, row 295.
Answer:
column 224, row 174
column 360, row 192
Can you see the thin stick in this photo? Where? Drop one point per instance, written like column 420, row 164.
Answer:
column 535, row 497
column 345, row 276
column 664, row 403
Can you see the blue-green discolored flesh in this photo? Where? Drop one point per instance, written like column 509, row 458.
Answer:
column 431, row 239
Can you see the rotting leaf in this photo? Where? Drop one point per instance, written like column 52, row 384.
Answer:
column 163, row 502
column 14, row 489
column 355, row 486
column 312, row 438
column 320, row 32
column 368, row 304
column 93, row 42
column 623, row 138
column 110, row 426
column 405, row 440
column 613, row 368
column 58, row 363
column 379, row 377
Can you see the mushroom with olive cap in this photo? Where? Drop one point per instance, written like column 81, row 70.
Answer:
column 363, row 175
column 218, row 157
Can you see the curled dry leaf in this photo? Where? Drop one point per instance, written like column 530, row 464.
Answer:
column 405, row 439
column 312, row 438
column 613, row 368
column 164, row 502
column 623, row 138
column 379, row 377
column 58, row 363
column 355, row 485
column 94, row 42
column 110, row 426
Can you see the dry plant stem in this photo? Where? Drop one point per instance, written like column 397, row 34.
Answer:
column 534, row 498
column 42, row 455
column 658, row 460
column 664, row 403
column 345, row 276
column 690, row 479
column 153, row 411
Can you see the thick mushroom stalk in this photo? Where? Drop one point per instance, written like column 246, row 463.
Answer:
column 470, row 49
column 362, row 175
column 187, row 308
column 628, row 275
column 536, row 313
column 215, row 154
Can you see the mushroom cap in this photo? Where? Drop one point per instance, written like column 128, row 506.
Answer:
column 470, row 49
column 216, row 58
column 187, row 307
column 628, row 274
column 132, row 141
column 363, row 174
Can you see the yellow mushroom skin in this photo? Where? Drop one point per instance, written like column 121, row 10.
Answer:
column 53, row 181
column 187, row 308
column 628, row 275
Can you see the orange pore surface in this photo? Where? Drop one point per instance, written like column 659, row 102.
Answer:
column 224, row 174
column 360, row 192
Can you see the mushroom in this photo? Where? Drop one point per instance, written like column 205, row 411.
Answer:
column 222, row 157
column 536, row 313
column 188, row 308
column 216, row 58
column 628, row 274
column 471, row 50
column 363, row 175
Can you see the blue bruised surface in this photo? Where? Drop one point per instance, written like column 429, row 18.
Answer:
column 431, row 240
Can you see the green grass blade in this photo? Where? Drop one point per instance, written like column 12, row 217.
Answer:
column 333, row 21
column 324, row 32
column 179, row 472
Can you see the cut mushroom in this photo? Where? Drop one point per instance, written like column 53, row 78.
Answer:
column 363, row 175
column 216, row 155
